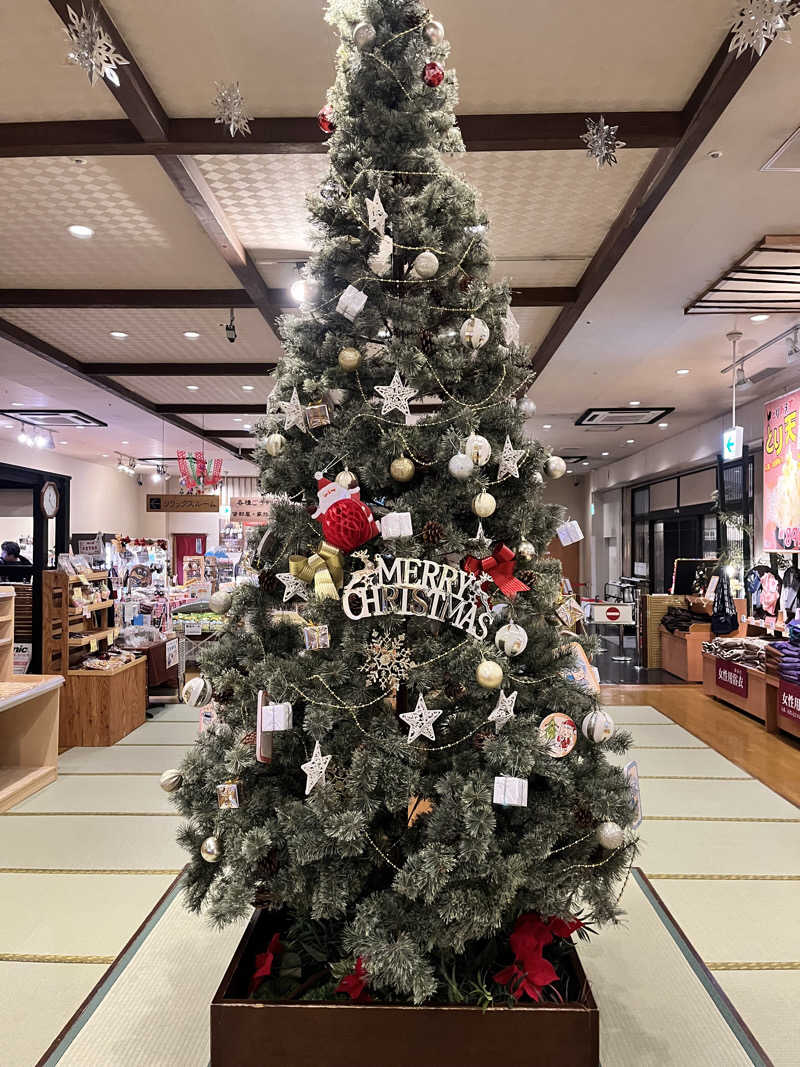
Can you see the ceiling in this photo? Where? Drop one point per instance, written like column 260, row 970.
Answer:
column 233, row 229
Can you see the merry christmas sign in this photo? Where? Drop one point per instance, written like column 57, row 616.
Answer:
column 401, row 586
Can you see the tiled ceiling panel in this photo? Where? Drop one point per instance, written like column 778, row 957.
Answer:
column 144, row 235
column 154, row 335
column 211, row 390
column 534, row 324
column 509, row 56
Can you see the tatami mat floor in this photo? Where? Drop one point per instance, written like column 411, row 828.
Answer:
column 84, row 862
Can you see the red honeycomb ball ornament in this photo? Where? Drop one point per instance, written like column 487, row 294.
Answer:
column 325, row 119
column 348, row 524
column 433, row 74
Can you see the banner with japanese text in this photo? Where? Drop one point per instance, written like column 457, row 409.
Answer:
column 789, row 700
column 732, row 676
column 781, row 474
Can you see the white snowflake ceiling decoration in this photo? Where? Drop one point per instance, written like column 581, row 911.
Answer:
column 387, row 661
column 601, row 142
column 92, row 48
column 229, row 108
column 757, row 23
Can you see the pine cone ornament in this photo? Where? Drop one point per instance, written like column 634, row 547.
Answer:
column 249, row 738
column 432, row 532
column 426, row 342
column 268, row 580
column 527, row 577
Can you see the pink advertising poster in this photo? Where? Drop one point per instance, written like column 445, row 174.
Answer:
column 781, row 474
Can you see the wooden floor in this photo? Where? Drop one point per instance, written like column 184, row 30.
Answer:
column 773, row 759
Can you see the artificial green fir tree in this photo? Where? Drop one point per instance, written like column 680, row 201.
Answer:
column 390, row 830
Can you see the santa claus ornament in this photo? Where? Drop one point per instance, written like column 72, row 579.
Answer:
column 346, row 522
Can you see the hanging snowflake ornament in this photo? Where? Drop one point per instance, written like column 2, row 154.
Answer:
column 92, row 48
column 293, row 587
column 757, row 23
column 601, row 142
column 376, row 215
column 294, row 412
column 504, row 712
column 420, row 721
column 395, row 396
column 229, row 108
column 315, row 769
column 509, row 461
column 387, row 661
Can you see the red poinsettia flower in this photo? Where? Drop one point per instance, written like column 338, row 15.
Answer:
column 564, row 927
column 528, row 982
column 530, row 936
column 355, row 984
column 264, row 962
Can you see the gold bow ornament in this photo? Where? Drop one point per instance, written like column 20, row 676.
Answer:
column 324, row 568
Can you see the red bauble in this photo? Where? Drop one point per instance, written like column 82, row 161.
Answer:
column 326, row 120
column 433, row 74
column 348, row 524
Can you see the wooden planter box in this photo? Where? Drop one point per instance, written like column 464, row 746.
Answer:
column 247, row 1033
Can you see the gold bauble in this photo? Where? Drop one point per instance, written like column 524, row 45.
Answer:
column 489, row 674
column 402, row 469
column 484, row 505
column 275, row 444
column 525, row 550
column 349, row 359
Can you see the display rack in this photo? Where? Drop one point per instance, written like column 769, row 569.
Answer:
column 6, row 630
column 761, row 698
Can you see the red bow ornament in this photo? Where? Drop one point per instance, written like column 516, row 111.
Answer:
column 500, row 568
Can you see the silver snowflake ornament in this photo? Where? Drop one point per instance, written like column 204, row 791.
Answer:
column 509, row 461
column 420, row 721
column 395, row 396
column 294, row 412
column 387, row 661
column 376, row 215
column 229, row 108
column 601, row 142
column 293, row 587
column 315, row 769
column 92, row 48
column 757, row 23
column 504, row 712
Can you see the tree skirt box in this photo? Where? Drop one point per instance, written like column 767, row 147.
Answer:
column 251, row 1033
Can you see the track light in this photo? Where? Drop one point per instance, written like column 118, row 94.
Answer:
column 230, row 328
column 793, row 353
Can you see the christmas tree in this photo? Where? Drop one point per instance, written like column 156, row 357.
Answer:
column 403, row 766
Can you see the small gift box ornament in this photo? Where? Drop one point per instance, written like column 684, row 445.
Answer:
column 351, row 302
column 317, row 637
column 271, row 717
column 511, row 792
column 207, row 718
column 397, row 524
column 318, row 415
column 228, row 795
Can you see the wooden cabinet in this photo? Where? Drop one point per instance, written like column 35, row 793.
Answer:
column 6, row 630
column 761, row 698
column 104, row 706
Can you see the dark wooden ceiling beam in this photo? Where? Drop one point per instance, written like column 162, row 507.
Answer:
column 125, row 298
column 719, row 85
column 292, row 136
column 211, row 409
column 43, row 350
column 196, row 369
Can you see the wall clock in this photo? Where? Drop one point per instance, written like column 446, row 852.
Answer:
column 50, row 499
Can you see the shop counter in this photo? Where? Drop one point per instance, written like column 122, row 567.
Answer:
column 28, row 735
column 682, row 651
column 744, row 688
column 104, row 706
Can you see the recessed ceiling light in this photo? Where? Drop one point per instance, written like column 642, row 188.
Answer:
column 298, row 290
column 248, row 388
column 191, row 334
column 193, row 388
column 663, row 425
column 630, row 441
column 570, row 472
column 81, row 232
column 79, row 162
column 634, row 403
column 63, row 442
column 237, row 420
column 682, row 371
column 248, row 426
column 547, row 426
column 715, row 153
column 124, row 442
column 585, row 463
column 604, row 453
column 119, row 334
column 105, row 455
column 759, row 318
column 16, row 404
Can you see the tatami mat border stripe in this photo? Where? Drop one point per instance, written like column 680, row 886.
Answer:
column 697, row 777
column 121, row 814
column 724, row 877
column 90, row 870
column 726, row 1009
column 668, row 748
column 793, row 965
column 109, row 774
column 24, row 957
column 710, row 818
column 84, row 1012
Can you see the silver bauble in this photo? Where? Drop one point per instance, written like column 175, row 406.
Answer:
column 197, row 692
column 527, row 407
column 526, row 551
column 220, row 602
column 461, row 466
column 349, row 359
column 555, row 467
column 474, row 333
column 426, row 265
column 484, row 505
column 598, row 726
column 610, row 835
column 489, row 675
column 433, row 32
column 478, row 449
column 363, row 35
column 511, row 639
column 210, row 850
column 171, row 780
column 275, row 444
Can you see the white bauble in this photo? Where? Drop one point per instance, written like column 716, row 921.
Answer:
column 484, row 505
column 489, row 675
column 220, row 602
column 275, row 444
column 210, row 850
column 555, row 467
column 478, row 449
column 474, row 333
column 610, row 835
column 346, row 479
column 426, row 265
column 598, row 726
column 363, row 35
column 197, row 692
column 433, row 31
column 461, row 466
column 527, row 407
column 171, row 780
column 511, row 639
